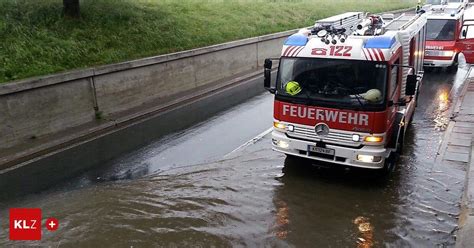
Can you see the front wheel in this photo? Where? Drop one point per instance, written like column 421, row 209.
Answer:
column 400, row 141
column 454, row 66
column 390, row 164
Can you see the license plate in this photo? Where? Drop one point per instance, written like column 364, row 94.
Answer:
column 321, row 150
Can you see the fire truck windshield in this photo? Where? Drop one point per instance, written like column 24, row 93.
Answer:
column 333, row 81
column 439, row 29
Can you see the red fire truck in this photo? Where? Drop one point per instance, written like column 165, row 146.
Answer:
column 465, row 43
column 346, row 88
column 443, row 28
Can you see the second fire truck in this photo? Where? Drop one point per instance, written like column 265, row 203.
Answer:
column 346, row 89
column 443, row 29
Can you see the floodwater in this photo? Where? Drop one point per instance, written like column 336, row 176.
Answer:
column 194, row 188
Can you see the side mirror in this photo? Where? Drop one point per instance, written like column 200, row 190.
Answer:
column 410, row 87
column 464, row 33
column 267, row 74
column 267, row 64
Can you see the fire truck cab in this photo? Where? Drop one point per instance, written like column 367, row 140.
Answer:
column 346, row 89
column 434, row 3
column 465, row 42
column 463, row 3
column 443, row 29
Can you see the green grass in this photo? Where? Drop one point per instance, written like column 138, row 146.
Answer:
column 36, row 40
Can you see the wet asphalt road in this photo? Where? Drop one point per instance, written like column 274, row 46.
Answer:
column 194, row 188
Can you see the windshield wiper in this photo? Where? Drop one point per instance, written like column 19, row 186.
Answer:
column 351, row 92
column 358, row 97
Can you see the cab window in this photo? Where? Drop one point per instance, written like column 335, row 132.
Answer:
column 468, row 30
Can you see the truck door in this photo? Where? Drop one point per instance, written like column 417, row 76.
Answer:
column 465, row 42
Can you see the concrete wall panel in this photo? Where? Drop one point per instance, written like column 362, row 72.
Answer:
column 212, row 67
column 269, row 49
column 54, row 103
column 45, row 110
column 123, row 90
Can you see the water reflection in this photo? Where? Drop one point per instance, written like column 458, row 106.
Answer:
column 366, row 232
column 248, row 201
column 443, row 100
column 441, row 118
column 282, row 220
column 321, row 205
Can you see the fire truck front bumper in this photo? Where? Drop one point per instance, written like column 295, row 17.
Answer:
column 370, row 157
column 438, row 61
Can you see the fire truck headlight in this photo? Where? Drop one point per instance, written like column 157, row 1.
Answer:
column 447, row 53
column 283, row 127
column 369, row 158
column 281, row 144
column 355, row 137
column 279, row 126
column 373, row 139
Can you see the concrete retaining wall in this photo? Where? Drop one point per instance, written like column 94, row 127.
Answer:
column 53, row 168
column 31, row 113
column 32, row 108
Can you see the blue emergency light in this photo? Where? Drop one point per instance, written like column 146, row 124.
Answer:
column 383, row 42
column 296, row 40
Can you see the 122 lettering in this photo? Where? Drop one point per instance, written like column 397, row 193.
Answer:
column 339, row 51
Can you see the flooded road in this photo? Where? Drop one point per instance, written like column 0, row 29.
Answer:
column 194, row 188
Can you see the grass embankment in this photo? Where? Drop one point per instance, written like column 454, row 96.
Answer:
column 35, row 39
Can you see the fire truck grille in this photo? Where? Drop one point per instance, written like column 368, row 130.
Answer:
column 437, row 53
column 333, row 136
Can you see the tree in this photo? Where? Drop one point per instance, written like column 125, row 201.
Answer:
column 71, row 8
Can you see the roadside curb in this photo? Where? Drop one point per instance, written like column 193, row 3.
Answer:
column 452, row 116
column 461, row 118
column 464, row 237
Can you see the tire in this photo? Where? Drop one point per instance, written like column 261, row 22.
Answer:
column 416, row 99
column 454, row 66
column 414, row 110
column 400, row 142
column 391, row 161
column 411, row 118
column 292, row 157
column 389, row 165
column 293, row 160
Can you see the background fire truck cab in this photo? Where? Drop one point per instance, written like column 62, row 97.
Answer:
column 443, row 30
column 431, row 3
column 465, row 43
column 339, row 63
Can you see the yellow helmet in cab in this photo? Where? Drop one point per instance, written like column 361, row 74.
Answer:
column 372, row 95
column 292, row 88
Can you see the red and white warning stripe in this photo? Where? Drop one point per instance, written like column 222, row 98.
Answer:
column 292, row 51
column 373, row 54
